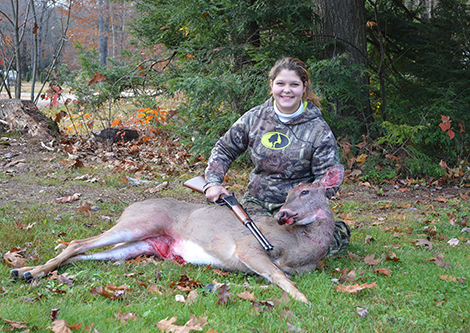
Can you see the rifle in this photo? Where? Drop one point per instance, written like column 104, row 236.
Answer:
column 197, row 184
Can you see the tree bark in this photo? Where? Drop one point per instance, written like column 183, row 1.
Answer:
column 24, row 115
column 345, row 20
column 16, row 41
column 103, row 26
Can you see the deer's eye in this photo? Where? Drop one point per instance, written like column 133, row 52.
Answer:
column 304, row 192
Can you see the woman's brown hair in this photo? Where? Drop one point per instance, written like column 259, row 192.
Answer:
column 296, row 65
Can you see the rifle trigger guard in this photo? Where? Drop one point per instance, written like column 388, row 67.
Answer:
column 228, row 200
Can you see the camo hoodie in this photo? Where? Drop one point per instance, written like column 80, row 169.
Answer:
column 284, row 154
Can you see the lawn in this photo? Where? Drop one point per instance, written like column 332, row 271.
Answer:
column 406, row 269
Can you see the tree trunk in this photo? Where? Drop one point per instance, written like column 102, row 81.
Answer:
column 24, row 115
column 16, row 36
column 40, row 34
column 34, row 50
column 343, row 27
column 103, row 26
column 344, row 19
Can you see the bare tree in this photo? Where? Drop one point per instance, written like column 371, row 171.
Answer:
column 103, row 24
column 21, row 18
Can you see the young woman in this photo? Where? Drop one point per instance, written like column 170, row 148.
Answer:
column 288, row 141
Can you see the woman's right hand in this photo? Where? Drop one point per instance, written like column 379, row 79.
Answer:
column 213, row 193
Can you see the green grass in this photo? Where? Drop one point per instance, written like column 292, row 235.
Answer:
column 414, row 298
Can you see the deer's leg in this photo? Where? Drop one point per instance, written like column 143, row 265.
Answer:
column 121, row 251
column 261, row 264
column 157, row 246
column 117, row 234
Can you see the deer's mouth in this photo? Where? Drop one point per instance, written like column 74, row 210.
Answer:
column 287, row 218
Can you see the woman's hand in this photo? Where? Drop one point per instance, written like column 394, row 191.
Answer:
column 213, row 193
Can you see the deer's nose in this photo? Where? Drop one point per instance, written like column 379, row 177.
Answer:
column 286, row 217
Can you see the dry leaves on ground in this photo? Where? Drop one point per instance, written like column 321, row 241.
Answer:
column 353, row 289
column 369, row 260
column 193, row 324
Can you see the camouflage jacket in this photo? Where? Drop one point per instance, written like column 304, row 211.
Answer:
column 284, row 154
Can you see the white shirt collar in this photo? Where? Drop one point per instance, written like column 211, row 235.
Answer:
column 287, row 117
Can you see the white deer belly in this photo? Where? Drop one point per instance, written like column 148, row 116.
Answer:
column 193, row 253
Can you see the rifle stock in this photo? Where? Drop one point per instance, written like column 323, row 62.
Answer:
column 196, row 184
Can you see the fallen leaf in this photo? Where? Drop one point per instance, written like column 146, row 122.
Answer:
column 391, row 256
column 59, row 116
column 192, row 296
column 166, row 325
column 363, row 312
column 91, row 328
column 196, row 324
column 68, row 199
column 137, row 260
column 352, row 289
column 384, row 271
column 84, row 207
column 348, row 276
column 14, row 324
column 464, row 221
column 23, row 227
column 219, row 272
column 449, row 278
column 186, row 284
column 157, row 188
column 263, row 306
column 15, row 259
column 439, row 304
column 154, row 289
column 369, row 260
column 431, row 231
column 111, row 291
column 60, row 326
column 76, row 326
column 361, row 159
column 295, row 329
column 284, row 299
column 123, row 317
column 54, row 314
column 354, row 256
column 223, row 295
column 246, row 295
column 442, row 199
column 424, row 243
column 348, row 218
column 453, row 242
column 57, row 290
column 439, row 261
column 180, row 298
column 368, row 239
column 400, row 217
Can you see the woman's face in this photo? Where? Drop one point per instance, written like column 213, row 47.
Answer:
column 287, row 91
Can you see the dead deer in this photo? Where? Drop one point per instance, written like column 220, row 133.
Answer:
column 212, row 235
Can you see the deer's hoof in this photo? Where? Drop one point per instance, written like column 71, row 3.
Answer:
column 14, row 274
column 28, row 277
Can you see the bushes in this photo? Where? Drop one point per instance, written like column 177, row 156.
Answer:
column 223, row 51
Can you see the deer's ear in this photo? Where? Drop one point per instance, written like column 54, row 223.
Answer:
column 333, row 177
